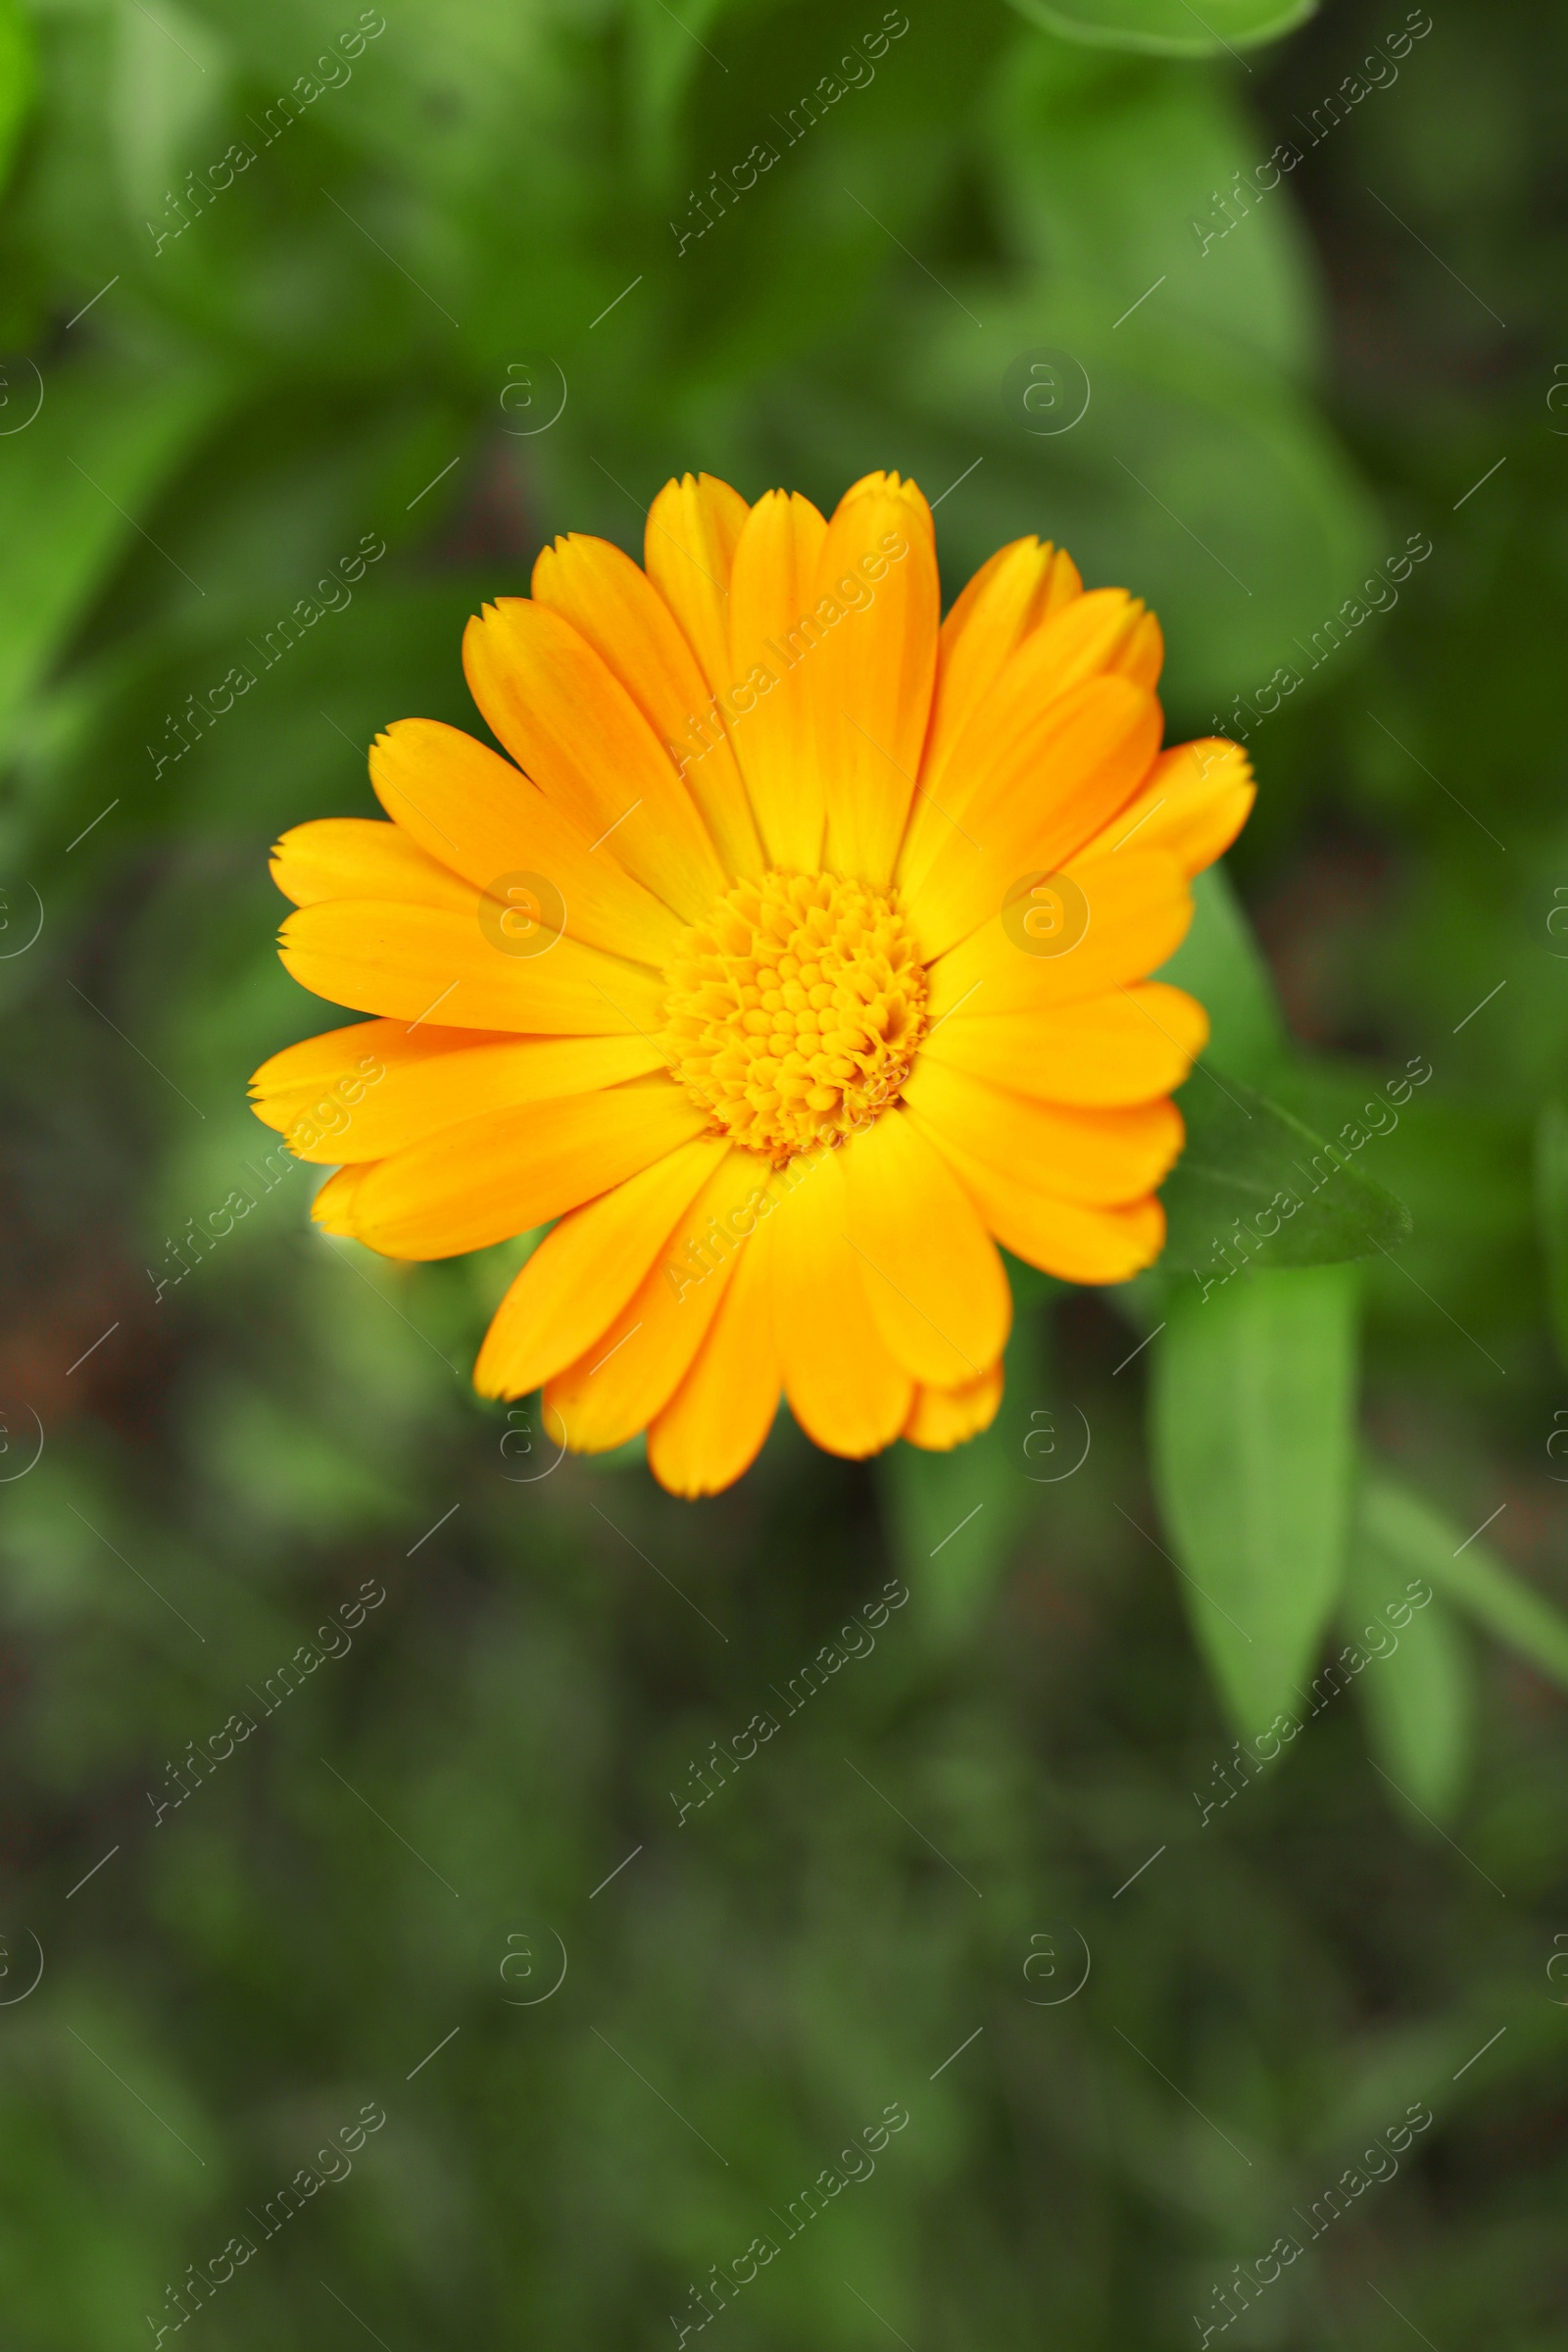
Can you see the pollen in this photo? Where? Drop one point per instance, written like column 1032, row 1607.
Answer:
column 794, row 1010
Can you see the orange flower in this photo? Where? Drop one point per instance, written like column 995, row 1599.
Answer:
column 799, row 960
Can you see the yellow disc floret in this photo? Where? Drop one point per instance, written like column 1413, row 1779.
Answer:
column 793, row 1009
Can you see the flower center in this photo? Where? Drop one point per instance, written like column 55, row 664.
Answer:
column 793, row 1009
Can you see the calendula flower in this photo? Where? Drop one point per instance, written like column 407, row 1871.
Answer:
column 797, row 956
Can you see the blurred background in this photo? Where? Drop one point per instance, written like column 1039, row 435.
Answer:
column 282, row 285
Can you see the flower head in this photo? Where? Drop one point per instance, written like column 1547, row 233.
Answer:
column 797, row 956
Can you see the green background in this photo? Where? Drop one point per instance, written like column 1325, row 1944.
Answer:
column 368, row 332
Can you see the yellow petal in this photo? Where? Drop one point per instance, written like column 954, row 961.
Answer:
column 844, row 1386
column 1197, row 798
column 715, row 1424
column 573, row 727
column 1135, row 910
column 633, row 1367
column 942, row 1418
column 1123, row 1047
column 585, row 1269
column 689, row 550
column 360, row 858
column 621, row 614
column 431, row 963
column 392, row 1089
column 482, row 817
column 936, row 1287
column 871, row 678
column 774, row 637
column 1102, row 1158
column 508, row 1170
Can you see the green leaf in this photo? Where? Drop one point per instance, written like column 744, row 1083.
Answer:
column 1104, row 163
column 1166, row 27
column 1422, row 1541
column 665, row 57
column 1221, row 964
column 167, row 85
column 1417, row 1687
column 19, row 77
column 1552, row 1213
column 75, row 486
column 1253, row 1401
column 1227, row 1199
column 1220, row 438
column 953, row 1518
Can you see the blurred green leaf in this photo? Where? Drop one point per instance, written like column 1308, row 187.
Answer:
column 1552, row 1213
column 1419, row 1698
column 1103, row 162
column 1195, row 471
column 953, row 1518
column 1222, row 966
column 74, row 487
column 19, row 75
column 169, row 75
column 1252, row 1409
column 1243, row 1157
column 1417, row 1536
column 1168, row 27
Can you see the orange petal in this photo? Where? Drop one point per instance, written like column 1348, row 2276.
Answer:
column 360, row 1050
column 1008, row 599
column 634, row 1366
column 689, row 550
column 1104, row 634
column 1085, row 758
column 389, row 1090
column 936, row 1287
column 717, row 1422
column 774, row 637
column 585, row 1269
column 1102, row 1158
column 1061, row 1237
column 360, row 858
column 844, row 1387
column 573, row 727
column 871, row 678
column 942, row 1418
column 431, row 963
column 472, row 810
column 1123, row 1047
column 1197, row 798
column 1136, row 910
column 333, row 1206
column 508, row 1170
column 616, row 608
